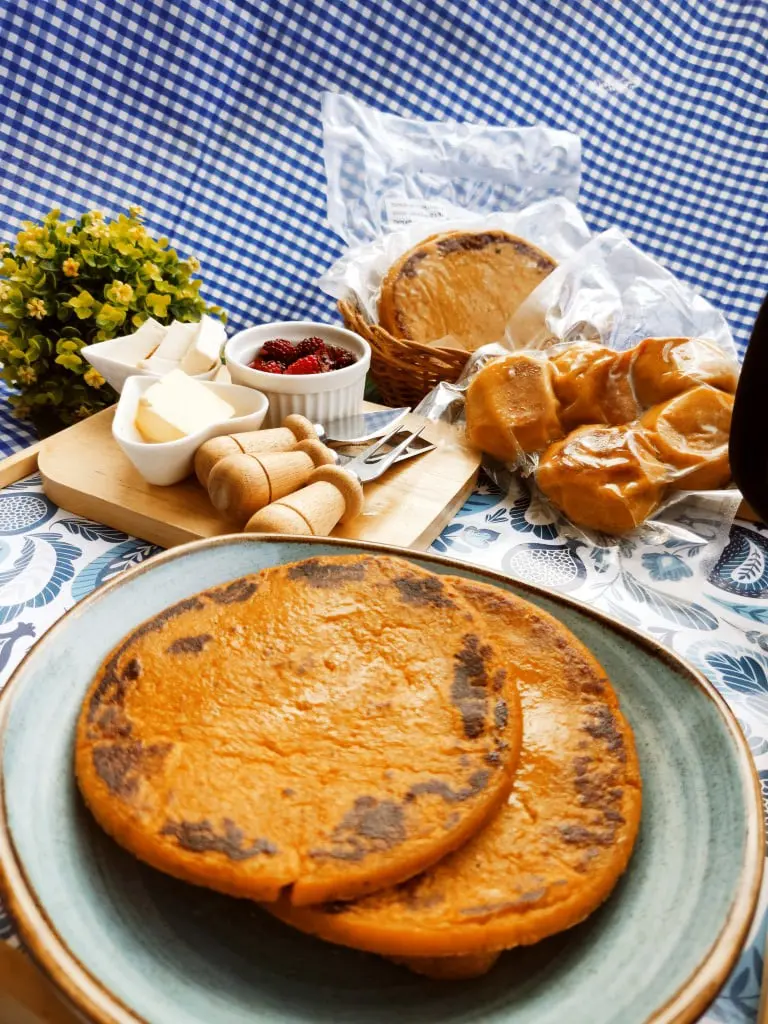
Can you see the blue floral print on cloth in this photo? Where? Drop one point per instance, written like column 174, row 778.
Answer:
column 715, row 615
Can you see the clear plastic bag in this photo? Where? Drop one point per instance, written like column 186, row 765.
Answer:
column 612, row 295
column 386, row 171
column 392, row 182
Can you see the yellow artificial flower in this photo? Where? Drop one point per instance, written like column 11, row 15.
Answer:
column 93, row 378
column 193, row 263
column 135, row 210
column 26, row 375
column 5, row 291
column 120, row 292
column 36, row 308
column 28, row 243
column 98, row 230
column 96, row 215
column 70, row 267
column 136, row 233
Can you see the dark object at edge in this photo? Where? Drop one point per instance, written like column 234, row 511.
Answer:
column 748, row 446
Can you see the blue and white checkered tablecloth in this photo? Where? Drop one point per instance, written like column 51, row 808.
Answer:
column 208, row 115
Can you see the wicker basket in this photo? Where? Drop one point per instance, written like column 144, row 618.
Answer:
column 404, row 371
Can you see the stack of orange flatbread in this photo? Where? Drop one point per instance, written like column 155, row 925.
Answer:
column 395, row 760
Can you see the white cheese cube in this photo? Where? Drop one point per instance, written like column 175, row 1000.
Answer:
column 155, row 364
column 177, row 341
column 204, row 352
column 151, row 332
column 177, row 406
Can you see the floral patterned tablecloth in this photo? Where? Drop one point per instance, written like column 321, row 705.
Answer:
column 713, row 612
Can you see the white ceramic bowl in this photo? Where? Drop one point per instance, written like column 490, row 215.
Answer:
column 116, row 360
column 320, row 397
column 171, row 461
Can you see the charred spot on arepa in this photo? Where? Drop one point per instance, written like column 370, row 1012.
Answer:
column 411, row 265
column 470, row 683
column 132, row 670
column 581, row 835
column 121, row 766
column 233, row 593
column 603, row 726
column 113, row 723
column 476, row 783
column 371, row 826
column 585, row 677
column 598, row 788
column 202, row 837
column 423, row 591
column 112, row 685
column 476, row 242
column 327, row 575
column 410, row 895
column 189, row 644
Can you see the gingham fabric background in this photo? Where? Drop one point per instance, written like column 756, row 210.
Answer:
column 207, row 113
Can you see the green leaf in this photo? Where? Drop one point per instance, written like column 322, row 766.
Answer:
column 110, row 316
column 158, row 304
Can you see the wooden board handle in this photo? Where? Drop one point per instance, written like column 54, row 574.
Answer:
column 331, row 495
column 240, row 485
column 252, row 442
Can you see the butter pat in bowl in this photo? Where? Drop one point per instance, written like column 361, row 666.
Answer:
column 160, row 423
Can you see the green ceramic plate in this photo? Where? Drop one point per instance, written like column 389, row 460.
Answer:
column 128, row 944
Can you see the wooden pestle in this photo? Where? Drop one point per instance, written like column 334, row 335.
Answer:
column 241, row 484
column 253, row 442
column 330, row 496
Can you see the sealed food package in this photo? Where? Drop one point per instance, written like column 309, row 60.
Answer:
column 384, row 171
column 450, row 227
column 612, row 293
column 612, row 398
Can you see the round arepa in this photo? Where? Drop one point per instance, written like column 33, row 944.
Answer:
column 460, row 288
column 552, row 854
column 319, row 729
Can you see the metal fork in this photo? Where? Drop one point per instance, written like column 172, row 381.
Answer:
column 333, row 493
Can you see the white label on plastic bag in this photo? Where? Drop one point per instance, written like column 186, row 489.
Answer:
column 402, row 210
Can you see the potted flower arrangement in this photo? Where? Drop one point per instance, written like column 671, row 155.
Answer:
column 68, row 283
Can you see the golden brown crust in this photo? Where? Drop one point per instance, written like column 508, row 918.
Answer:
column 555, row 850
column 333, row 725
column 511, row 408
column 690, row 433
column 449, row 968
column 593, row 385
column 603, row 478
column 665, row 367
column 463, row 286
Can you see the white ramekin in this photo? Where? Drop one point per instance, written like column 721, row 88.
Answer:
column 116, row 360
column 168, row 462
column 321, row 397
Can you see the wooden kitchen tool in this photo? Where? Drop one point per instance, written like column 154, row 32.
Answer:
column 241, row 484
column 333, row 494
column 253, row 442
column 85, row 472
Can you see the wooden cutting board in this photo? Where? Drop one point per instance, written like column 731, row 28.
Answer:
column 85, row 472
